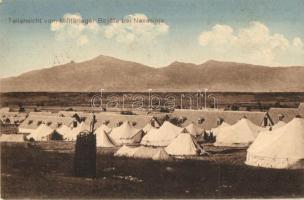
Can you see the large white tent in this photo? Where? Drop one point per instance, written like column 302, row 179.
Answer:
column 262, row 140
column 42, row 133
column 278, row 125
column 279, row 148
column 161, row 137
column 240, row 134
column 125, row 134
column 216, row 130
column 148, row 134
column 102, row 137
column 183, row 145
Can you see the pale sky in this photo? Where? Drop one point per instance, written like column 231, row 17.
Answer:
column 256, row 32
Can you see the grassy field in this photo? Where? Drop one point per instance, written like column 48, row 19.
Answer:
column 28, row 172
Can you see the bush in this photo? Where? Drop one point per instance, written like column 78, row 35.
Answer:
column 235, row 107
column 127, row 112
column 164, row 110
column 176, row 121
column 21, row 109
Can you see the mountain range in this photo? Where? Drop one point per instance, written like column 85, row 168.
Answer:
column 112, row 74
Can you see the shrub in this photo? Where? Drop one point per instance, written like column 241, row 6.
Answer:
column 127, row 112
column 235, row 107
column 164, row 110
column 176, row 121
column 21, row 109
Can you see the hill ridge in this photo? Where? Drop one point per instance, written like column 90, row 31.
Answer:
column 120, row 75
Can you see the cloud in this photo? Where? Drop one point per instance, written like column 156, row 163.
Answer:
column 132, row 30
column 72, row 27
column 1, row 1
column 297, row 42
column 252, row 44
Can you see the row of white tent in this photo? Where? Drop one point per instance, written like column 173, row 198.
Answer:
column 183, row 145
column 44, row 132
column 242, row 133
column 280, row 146
column 124, row 134
column 175, row 140
column 178, row 141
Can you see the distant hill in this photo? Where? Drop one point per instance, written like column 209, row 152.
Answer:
column 119, row 75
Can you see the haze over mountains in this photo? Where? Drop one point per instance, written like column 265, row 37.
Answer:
column 114, row 74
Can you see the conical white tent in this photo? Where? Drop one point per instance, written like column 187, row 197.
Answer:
column 146, row 140
column 216, row 130
column 280, row 148
column 161, row 155
column 183, row 145
column 42, row 133
column 82, row 127
column 194, row 130
column 240, row 134
column 151, row 153
column 125, row 134
column 262, row 140
column 125, row 151
column 147, row 128
column 104, row 128
column 145, row 152
column 65, row 131
column 161, row 137
column 102, row 137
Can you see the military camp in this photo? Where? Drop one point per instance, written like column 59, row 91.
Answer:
column 145, row 149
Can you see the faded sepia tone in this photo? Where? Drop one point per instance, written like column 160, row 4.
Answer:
column 151, row 99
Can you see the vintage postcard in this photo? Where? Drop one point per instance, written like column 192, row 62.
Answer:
column 162, row 99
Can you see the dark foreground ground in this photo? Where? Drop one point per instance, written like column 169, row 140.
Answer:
column 30, row 172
